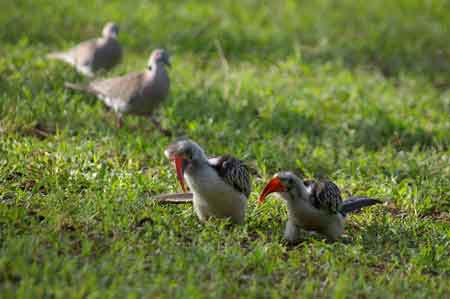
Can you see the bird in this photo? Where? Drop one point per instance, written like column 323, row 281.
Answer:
column 313, row 205
column 95, row 54
column 173, row 198
column 220, row 185
column 138, row 93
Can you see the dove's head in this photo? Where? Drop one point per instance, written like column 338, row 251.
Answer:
column 159, row 57
column 111, row 29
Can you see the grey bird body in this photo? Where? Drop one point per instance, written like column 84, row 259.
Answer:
column 135, row 93
column 95, row 54
column 313, row 205
column 220, row 185
column 302, row 215
column 213, row 197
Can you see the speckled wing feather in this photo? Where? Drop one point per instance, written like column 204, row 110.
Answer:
column 233, row 171
column 325, row 196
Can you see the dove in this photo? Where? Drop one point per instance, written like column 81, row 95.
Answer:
column 138, row 93
column 92, row 55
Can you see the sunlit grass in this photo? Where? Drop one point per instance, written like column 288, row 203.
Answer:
column 357, row 93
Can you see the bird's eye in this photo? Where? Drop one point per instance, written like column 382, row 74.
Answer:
column 189, row 154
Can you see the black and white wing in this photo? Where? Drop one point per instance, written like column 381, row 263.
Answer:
column 233, row 171
column 325, row 196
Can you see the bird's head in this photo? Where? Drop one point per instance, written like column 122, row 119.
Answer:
column 184, row 153
column 285, row 183
column 159, row 57
column 111, row 30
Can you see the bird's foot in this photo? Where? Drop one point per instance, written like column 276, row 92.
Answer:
column 165, row 132
column 157, row 124
column 119, row 122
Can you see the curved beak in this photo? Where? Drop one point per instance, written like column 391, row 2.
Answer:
column 180, row 164
column 274, row 185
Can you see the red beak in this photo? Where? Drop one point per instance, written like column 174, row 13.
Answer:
column 180, row 171
column 274, row 185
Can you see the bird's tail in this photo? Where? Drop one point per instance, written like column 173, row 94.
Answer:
column 78, row 87
column 356, row 203
column 60, row 56
column 174, row 198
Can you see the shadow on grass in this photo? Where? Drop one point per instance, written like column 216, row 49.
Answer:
column 391, row 37
column 212, row 110
column 431, row 62
column 380, row 130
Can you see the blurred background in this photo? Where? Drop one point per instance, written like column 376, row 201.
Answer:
column 393, row 37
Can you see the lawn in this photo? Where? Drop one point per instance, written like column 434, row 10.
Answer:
column 355, row 91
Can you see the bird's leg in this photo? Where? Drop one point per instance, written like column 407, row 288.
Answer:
column 157, row 124
column 119, row 121
column 292, row 233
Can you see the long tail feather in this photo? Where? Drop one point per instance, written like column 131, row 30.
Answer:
column 174, row 198
column 55, row 55
column 78, row 87
column 356, row 203
column 60, row 56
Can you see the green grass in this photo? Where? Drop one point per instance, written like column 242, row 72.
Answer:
column 357, row 92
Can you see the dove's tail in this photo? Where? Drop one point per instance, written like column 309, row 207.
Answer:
column 60, row 56
column 356, row 203
column 78, row 87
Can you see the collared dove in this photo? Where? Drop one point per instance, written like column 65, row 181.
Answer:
column 135, row 93
column 94, row 54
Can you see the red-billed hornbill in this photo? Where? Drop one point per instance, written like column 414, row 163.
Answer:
column 313, row 205
column 220, row 185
